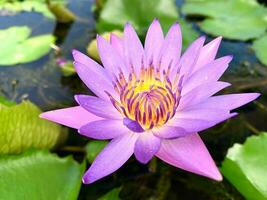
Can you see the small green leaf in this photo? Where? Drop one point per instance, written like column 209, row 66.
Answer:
column 260, row 48
column 39, row 175
column 18, row 48
column 21, row 129
column 233, row 19
column 112, row 195
column 245, row 167
column 116, row 13
column 93, row 148
column 5, row 102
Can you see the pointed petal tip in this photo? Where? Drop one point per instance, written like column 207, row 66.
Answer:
column 142, row 160
column 87, row 180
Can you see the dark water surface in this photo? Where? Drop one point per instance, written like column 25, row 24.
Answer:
column 42, row 82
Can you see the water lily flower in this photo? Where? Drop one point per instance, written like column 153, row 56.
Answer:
column 151, row 100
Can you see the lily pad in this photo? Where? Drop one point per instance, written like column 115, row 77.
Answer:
column 17, row 47
column 233, row 19
column 39, row 175
column 5, row 102
column 115, row 13
column 245, row 167
column 93, row 148
column 260, row 48
column 21, row 129
column 27, row 6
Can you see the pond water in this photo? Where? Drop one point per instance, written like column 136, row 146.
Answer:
column 42, row 82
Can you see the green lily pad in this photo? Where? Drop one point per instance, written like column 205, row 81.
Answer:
column 245, row 167
column 260, row 48
column 115, row 13
column 233, row 19
column 39, row 175
column 93, row 148
column 112, row 195
column 17, row 47
column 5, row 102
column 21, row 129
column 27, row 6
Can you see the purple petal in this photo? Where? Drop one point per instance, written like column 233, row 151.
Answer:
column 146, row 146
column 189, row 153
column 153, row 42
column 133, row 125
column 171, row 48
column 208, row 53
column 110, row 58
column 104, row 129
column 93, row 75
column 227, row 102
column 200, row 93
column 133, row 48
column 111, row 158
column 116, row 43
column 199, row 120
column 74, row 117
column 190, row 56
column 169, row 131
column 209, row 73
column 97, row 106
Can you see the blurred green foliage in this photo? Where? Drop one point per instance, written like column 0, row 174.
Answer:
column 260, row 48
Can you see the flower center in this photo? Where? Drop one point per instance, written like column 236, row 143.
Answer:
column 148, row 100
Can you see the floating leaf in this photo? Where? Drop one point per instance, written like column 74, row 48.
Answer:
column 233, row 19
column 245, row 167
column 18, row 48
column 21, row 129
column 260, row 48
column 112, row 195
column 116, row 13
column 93, row 148
column 39, row 175
column 92, row 47
column 27, row 6
column 5, row 102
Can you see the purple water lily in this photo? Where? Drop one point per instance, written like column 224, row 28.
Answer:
column 150, row 101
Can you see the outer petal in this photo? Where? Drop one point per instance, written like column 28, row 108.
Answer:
column 117, row 43
column 171, row 48
column 169, row 131
column 94, row 76
column 153, row 42
column 133, row 48
column 228, row 102
column 112, row 157
column 189, row 153
column 110, row 58
column 200, row 93
column 208, row 53
column 74, row 117
column 209, row 73
column 104, row 129
column 190, row 56
column 98, row 106
column 191, row 123
column 146, row 146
